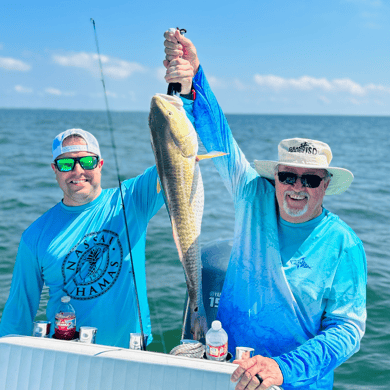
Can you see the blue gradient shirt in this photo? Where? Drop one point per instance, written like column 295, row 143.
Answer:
column 83, row 252
column 293, row 293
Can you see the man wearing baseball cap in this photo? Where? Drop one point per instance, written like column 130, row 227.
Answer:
column 79, row 248
column 295, row 288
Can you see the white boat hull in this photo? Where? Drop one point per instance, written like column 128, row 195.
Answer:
column 30, row 363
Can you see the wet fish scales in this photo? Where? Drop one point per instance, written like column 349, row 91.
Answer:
column 175, row 145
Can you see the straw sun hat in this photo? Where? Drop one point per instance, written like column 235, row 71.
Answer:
column 307, row 153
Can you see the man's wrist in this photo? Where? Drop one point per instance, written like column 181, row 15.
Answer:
column 189, row 96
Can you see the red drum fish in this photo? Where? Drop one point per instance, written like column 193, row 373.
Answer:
column 175, row 146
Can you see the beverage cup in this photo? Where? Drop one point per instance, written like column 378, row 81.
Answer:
column 135, row 341
column 87, row 334
column 244, row 351
column 41, row 329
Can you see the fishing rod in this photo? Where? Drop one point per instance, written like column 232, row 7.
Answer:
column 109, row 118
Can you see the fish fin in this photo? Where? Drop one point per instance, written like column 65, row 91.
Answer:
column 211, row 154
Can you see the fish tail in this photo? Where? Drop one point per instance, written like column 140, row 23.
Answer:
column 199, row 325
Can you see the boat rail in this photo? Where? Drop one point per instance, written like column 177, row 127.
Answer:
column 31, row 363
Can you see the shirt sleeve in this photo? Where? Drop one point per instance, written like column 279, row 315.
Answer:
column 25, row 294
column 147, row 200
column 342, row 327
column 215, row 134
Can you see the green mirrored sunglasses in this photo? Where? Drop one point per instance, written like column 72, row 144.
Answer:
column 67, row 164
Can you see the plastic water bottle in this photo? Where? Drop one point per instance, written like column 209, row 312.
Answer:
column 216, row 342
column 65, row 328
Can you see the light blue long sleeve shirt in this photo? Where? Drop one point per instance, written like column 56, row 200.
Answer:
column 303, row 305
column 83, row 252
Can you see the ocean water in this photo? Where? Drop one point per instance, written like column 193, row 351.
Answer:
column 361, row 144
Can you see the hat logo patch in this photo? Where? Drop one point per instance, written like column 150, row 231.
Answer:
column 303, row 148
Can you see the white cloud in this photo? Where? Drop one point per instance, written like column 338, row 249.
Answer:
column 53, row 91
column 119, row 69
column 160, row 73
column 12, row 64
column 239, row 85
column 371, row 12
column 111, row 94
column 379, row 88
column 21, row 89
column 355, row 101
column 307, row 83
column 274, row 82
column 324, row 99
column 215, row 82
column 348, row 85
column 57, row 92
column 79, row 60
column 112, row 67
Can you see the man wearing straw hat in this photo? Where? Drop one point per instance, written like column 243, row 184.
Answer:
column 295, row 288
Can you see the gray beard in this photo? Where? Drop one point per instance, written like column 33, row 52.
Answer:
column 295, row 212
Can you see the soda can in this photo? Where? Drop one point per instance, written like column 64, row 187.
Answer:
column 41, row 329
column 241, row 350
column 87, row 334
column 135, row 341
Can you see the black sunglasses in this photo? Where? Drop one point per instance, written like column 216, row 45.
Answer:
column 310, row 181
column 67, row 164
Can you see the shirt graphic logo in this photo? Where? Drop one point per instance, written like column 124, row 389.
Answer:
column 93, row 265
column 300, row 263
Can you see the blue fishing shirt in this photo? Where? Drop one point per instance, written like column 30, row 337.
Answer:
column 83, row 252
column 302, row 303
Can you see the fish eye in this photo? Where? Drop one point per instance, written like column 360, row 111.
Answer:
column 170, row 113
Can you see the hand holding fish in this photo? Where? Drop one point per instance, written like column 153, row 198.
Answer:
column 177, row 45
column 180, row 71
column 251, row 369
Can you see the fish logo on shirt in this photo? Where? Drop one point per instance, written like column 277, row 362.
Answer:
column 300, row 263
column 93, row 265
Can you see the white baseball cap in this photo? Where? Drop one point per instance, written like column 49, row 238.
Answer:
column 92, row 144
column 307, row 153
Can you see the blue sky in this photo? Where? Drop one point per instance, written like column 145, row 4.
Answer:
column 265, row 57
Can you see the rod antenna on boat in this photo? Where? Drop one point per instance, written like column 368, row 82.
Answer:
column 109, row 119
